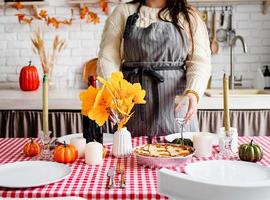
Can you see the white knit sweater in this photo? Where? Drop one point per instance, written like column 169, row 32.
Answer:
column 110, row 55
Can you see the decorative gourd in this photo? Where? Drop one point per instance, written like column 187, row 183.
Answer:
column 250, row 152
column 29, row 79
column 184, row 141
column 31, row 149
column 65, row 153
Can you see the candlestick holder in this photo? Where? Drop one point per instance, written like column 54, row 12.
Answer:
column 45, row 153
column 226, row 144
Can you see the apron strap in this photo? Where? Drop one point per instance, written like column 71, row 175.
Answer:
column 131, row 22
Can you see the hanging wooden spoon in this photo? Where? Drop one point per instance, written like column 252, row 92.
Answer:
column 214, row 43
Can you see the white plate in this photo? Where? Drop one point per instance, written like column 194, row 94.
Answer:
column 32, row 173
column 107, row 138
column 188, row 135
column 230, row 173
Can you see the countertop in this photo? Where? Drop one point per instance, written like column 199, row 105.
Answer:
column 68, row 99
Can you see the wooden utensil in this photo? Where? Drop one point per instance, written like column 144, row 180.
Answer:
column 90, row 68
column 266, row 5
column 214, row 43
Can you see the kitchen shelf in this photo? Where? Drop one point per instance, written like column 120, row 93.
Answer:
column 95, row 1
column 212, row 2
column 30, row 3
column 224, row 2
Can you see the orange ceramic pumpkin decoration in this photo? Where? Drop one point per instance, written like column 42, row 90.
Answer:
column 65, row 153
column 31, row 149
column 29, row 79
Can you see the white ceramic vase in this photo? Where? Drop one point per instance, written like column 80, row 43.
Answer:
column 122, row 145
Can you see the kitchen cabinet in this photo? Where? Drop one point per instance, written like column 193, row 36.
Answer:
column 18, row 123
column 20, row 113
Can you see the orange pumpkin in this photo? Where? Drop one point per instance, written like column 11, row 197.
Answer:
column 65, row 153
column 31, row 149
column 29, row 79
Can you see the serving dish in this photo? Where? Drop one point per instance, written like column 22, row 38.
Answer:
column 154, row 161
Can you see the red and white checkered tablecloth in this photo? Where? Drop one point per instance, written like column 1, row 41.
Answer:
column 90, row 181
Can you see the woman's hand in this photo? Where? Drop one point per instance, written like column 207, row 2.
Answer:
column 192, row 106
column 192, row 101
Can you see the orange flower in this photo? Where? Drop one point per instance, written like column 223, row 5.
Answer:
column 139, row 94
column 101, row 109
column 124, row 121
column 116, row 98
column 88, row 99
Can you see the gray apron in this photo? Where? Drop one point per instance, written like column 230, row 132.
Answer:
column 155, row 56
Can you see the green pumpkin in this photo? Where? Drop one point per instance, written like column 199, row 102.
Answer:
column 250, row 152
column 184, row 141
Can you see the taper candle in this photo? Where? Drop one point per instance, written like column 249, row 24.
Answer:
column 226, row 102
column 45, row 112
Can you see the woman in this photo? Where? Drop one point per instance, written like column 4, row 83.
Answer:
column 164, row 45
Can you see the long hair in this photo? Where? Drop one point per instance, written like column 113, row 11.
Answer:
column 174, row 9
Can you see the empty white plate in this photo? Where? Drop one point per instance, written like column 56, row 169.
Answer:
column 107, row 138
column 32, row 173
column 188, row 135
column 230, row 173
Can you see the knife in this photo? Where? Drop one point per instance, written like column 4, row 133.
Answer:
column 110, row 174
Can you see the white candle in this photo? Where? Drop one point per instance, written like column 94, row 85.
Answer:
column 79, row 143
column 202, row 143
column 93, row 153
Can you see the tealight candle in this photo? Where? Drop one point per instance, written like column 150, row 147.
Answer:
column 202, row 143
column 93, row 153
column 79, row 143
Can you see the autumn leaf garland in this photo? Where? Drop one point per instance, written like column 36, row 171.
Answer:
column 85, row 14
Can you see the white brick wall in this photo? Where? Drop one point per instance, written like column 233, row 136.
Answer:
column 83, row 41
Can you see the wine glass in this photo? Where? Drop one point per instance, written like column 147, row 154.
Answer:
column 180, row 111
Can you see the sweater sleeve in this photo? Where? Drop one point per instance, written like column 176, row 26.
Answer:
column 199, row 64
column 109, row 56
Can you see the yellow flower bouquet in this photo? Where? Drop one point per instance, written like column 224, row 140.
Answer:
column 115, row 100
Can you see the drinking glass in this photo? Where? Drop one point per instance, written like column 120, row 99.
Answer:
column 180, row 112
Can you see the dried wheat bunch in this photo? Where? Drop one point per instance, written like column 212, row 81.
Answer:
column 48, row 58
